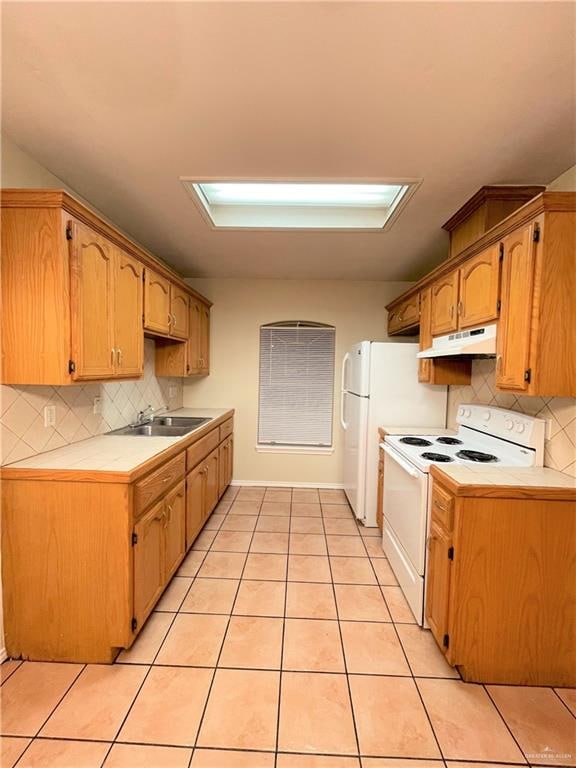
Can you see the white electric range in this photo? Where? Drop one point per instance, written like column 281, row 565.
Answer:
column 486, row 436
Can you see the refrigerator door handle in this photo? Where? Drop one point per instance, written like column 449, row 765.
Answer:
column 342, row 408
column 344, row 362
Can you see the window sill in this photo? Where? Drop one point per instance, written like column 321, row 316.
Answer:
column 302, row 449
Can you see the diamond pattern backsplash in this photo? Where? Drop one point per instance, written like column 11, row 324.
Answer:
column 23, row 433
column 560, row 448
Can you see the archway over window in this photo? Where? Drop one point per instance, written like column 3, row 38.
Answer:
column 296, row 392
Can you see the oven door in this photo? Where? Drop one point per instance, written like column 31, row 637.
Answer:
column 405, row 505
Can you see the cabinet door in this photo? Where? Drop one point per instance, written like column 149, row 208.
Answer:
column 380, row 502
column 425, row 366
column 195, row 493
column 212, row 482
column 193, row 366
column 148, row 561
column 438, row 583
column 479, row 285
column 225, row 462
column 92, row 312
column 204, row 338
column 179, row 312
column 128, row 331
column 444, row 301
column 513, row 339
column 175, row 528
column 156, row 302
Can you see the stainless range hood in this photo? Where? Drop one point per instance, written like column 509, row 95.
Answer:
column 475, row 341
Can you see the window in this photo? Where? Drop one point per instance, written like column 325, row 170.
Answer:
column 301, row 205
column 296, row 384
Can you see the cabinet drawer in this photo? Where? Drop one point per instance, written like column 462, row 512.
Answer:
column 156, row 483
column 226, row 429
column 202, row 448
column 442, row 508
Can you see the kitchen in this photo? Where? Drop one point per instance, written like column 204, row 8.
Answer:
column 288, row 405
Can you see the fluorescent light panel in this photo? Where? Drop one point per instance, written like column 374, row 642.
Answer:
column 302, row 205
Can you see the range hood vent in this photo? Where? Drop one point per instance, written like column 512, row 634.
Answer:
column 474, row 341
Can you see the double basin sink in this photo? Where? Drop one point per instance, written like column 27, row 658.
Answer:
column 163, row 426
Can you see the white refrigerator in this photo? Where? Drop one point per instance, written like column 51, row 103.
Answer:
column 380, row 388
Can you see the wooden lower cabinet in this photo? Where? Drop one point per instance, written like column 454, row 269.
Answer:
column 380, row 498
column 225, row 464
column 149, row 560
column 501, row 582
column 85, row 560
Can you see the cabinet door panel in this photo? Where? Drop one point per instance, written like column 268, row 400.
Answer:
column 212, row 483
column 444, row 301
column 179, row 312
column 128, row 331
column 91, row 272
column 156, row 302
column 479, row 284
column 425, row 366
column 438, row 583
column 148, row 562
column 193, row 363
column 195, row 492
column 225, row 461
column 204, row 338
column 175, row 528
column 513, row 339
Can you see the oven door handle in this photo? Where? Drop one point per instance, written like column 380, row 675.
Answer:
column 412, row 471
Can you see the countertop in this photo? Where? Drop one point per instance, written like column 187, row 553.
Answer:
column 116, row 453
column 527, row 482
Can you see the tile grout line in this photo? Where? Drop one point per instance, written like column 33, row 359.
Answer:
column 350, row 699
column 60, row 700
column 205, row 707
column 501, row 716
column 283, row 636
column 413, row 677
column 562, row 700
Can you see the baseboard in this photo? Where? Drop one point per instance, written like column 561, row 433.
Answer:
column 285, row 484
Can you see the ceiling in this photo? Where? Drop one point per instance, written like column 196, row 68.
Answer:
column 121, row 99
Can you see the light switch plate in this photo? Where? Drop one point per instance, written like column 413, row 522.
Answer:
column 97, row 405
column 49, row 415
column 171, row 392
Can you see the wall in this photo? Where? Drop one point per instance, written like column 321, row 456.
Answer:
column 357, row 311
column 22, row 430
column 560, row 451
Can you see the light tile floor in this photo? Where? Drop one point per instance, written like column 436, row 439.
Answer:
column 283, row 642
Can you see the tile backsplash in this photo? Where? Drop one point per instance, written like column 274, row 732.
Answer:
column 560, row 448
column 23, row 433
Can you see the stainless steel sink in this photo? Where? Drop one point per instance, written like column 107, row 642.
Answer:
column 164, row 426
column 180, row 421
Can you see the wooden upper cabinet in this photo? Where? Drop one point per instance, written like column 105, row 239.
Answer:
column 128, row 333
column 156, row 303
column 514, row 331
column 425, row 366
column 444, row 318
column 405, row 315
column 179, row 314
column 91, row 305
column 204, row 343
column 479, row 285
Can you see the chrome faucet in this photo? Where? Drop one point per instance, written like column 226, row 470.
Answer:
column 143, row 413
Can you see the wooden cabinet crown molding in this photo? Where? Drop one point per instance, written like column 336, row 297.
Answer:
column 487, row 193
column 546, row 202
column 59, row 198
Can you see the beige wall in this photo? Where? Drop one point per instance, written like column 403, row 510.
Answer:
column 566, row 182
column 356, row 309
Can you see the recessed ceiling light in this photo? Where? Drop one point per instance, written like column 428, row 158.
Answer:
column 300, row 205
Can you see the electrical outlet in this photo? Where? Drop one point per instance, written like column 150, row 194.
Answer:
column 97, row 405
column 548, row 429
column 171, row 392
column 49, row 415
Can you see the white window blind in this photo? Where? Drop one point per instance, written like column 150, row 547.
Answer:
column 296, row 385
